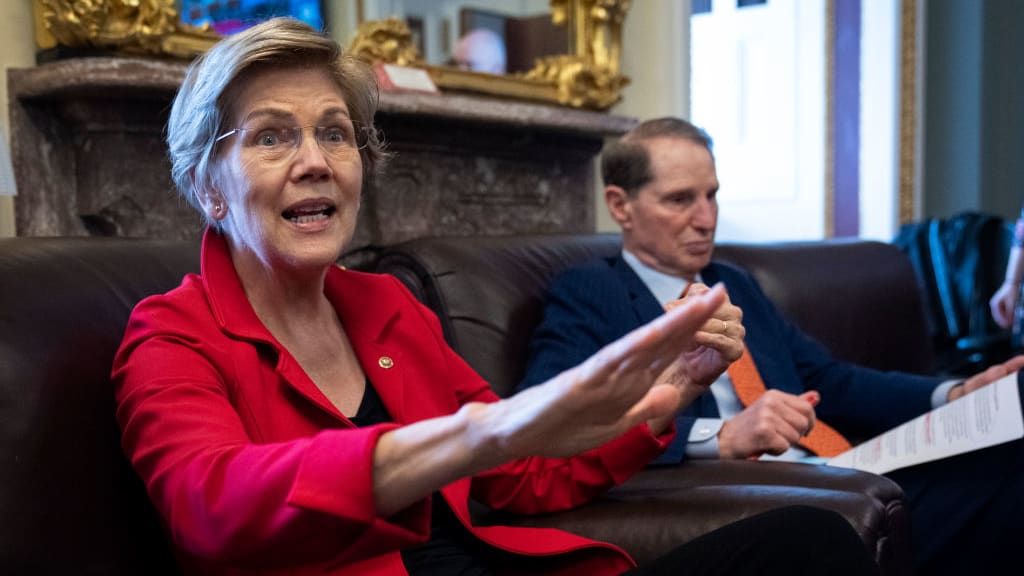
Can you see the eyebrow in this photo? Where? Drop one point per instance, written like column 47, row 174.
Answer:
column 283, row 114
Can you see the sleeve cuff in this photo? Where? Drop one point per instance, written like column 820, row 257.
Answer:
column 940, row 396
column 703, row 440
column 336, row 478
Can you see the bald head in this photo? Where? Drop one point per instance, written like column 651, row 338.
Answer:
column 481, row 50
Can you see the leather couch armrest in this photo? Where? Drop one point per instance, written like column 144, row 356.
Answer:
column 661, row 508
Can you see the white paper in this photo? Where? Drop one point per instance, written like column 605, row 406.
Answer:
column 410, row 78
column 988, row 416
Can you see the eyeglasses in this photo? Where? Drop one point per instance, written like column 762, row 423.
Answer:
column 277, row 144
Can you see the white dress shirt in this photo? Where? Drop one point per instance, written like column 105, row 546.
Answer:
column 703, row 439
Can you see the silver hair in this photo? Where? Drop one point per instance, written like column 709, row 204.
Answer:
column 199, row 112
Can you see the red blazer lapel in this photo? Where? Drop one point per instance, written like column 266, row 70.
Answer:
column 366, row 314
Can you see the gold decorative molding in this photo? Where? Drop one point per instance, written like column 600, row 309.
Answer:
column 908, row 112
column 388, row 41
column 133, row 26
column 587, row 77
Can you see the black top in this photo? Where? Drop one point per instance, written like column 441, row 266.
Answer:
column 451, row 548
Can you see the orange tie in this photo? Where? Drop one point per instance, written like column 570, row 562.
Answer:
column 823, row 440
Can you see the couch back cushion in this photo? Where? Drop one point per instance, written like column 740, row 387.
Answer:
column 69, row 500
column 859, row 298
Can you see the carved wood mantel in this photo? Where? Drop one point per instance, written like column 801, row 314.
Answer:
column 89, row 158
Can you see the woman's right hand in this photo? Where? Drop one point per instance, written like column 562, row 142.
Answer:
column 581, row 408
column 1003, row 303
column 613, row 391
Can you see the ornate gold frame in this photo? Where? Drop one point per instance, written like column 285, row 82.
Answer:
column 587, row 77
column 909, row 121
column 149, row 27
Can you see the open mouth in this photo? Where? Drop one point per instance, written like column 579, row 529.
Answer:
column 309, row 212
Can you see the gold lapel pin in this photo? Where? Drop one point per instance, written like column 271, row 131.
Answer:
column 385, row 362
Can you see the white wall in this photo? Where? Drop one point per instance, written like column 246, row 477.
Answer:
column 879, row 119
column 17, row 49
column 758, row 88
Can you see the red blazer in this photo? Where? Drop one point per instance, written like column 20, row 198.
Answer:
column 255, row 471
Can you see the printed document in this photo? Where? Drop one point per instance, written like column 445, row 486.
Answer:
column 988, row 416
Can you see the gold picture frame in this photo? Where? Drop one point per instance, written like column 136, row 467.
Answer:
column 143, row 27
column 588, row 76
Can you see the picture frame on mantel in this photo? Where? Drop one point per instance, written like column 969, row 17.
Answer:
column 587, row 76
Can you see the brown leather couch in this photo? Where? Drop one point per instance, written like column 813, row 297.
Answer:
column 859, row 298
column 70, row 503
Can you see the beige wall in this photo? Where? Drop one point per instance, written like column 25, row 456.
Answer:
column 17, row 49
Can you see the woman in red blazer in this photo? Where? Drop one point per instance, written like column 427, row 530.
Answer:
column 292, row 417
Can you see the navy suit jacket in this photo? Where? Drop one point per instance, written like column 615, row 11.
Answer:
column 594, row 304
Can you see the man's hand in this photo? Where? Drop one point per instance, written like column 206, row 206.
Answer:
column 1003, row 303
column 772, row 424
column 717, row 344
column 986, row 377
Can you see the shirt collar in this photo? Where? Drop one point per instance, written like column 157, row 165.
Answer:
column 665, row 287
column 364, row 312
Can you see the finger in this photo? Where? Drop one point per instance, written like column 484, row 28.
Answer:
column 658, row 342
column 792, row 426
column 992, row 374
column 660, row 401
column 674, row 331
column 1014, row 364
column 728, row 347
column 693, row 289
column 812, row 398
column 999, row 313
column 696, row 289
column 795, row 414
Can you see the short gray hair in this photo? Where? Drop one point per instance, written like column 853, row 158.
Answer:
column 200, row 107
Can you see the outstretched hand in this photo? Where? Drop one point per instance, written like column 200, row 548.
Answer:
column 611, row 392
column 716, row 345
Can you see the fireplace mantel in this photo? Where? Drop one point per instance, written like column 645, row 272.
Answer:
column 89, row 158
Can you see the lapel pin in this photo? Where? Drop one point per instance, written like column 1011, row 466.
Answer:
column 385, row 362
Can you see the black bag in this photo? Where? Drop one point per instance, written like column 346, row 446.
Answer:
column 960, row 262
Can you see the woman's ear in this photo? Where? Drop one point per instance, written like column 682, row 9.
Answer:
column 212, row 202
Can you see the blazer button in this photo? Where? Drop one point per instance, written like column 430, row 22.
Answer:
column 385, row 362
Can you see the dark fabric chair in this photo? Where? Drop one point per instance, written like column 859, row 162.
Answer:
column 489, row 293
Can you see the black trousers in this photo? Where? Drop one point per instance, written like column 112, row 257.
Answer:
column 792, row 541
column 967, row 512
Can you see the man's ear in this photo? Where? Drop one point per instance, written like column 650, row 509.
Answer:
column 619, row 206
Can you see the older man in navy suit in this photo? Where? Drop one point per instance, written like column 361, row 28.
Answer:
column 661, row 188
